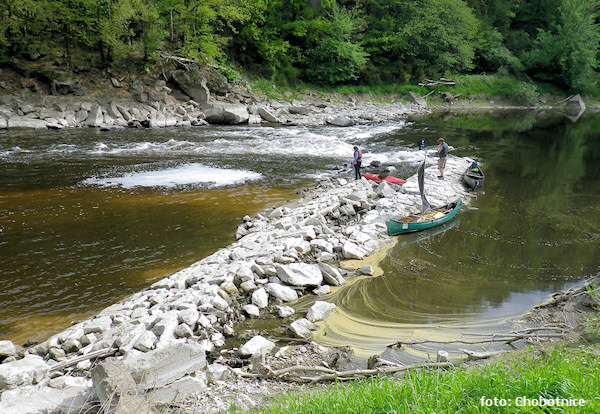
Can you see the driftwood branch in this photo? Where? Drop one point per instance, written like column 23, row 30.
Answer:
column 425, row 96
column 475, row 355
column 503, row 338
column 178, row 59
column 565, row 100
column 507, row 338
column 300, row 373
column 101, row 353
column 442, row 81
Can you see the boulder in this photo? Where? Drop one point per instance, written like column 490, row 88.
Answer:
column 26, row 123
column 230, row 114
column 416, row 99
column 137, row 92
column 62, row 395
column 352, row 251
column 115, row 387
column 158, row 368
column 267, row 115
column 252, row 310
column 320, row 311
column 340, row 120
column 178, row 391
column 193, row 83
column 281, row 292
column 95, row 117
column 300, row 274
column 26, row 371
column 331, row 275
column 257, row 345
column 260, row 298
column 285, row 311
column 302, row 328
column 7, row 348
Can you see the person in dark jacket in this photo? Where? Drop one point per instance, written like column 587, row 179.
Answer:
column 357, row 162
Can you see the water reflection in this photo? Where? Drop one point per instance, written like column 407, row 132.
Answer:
column 534, row 230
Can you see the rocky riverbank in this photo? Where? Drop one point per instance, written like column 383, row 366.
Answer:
column 33, row 98
column 170, row 342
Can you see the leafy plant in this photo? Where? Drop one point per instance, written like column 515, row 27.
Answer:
column 593, row 291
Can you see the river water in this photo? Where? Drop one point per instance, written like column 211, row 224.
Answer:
column 89, row 217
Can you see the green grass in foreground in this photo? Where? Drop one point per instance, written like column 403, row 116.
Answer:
column 565, row 372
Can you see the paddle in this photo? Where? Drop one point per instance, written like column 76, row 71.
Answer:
column 421, row 178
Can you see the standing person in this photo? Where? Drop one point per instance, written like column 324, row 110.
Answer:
column 357, row 162
column 442, row 152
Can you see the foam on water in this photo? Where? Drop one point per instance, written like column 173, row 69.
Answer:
column 189, row 174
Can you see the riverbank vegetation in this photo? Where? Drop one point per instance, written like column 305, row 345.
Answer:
column 562, row 377
column 319, row 42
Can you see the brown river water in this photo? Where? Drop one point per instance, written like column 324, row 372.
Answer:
column 89, row 217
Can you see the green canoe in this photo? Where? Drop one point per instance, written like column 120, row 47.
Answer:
column 431, row 218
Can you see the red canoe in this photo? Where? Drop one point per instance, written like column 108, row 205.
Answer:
column 379, row 178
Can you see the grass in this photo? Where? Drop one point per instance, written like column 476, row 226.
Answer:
column 478, row 87
column 565, row 371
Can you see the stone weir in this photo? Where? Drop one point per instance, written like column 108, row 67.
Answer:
column 163, row 341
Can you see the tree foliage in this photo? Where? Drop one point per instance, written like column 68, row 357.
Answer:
column 320, row 41
column 566, row 53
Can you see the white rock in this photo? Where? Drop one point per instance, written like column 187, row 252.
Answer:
column 322, row 290
column 352, row 251
column 252, row 310
column 285, row 311
column 26, row 371
column 284, row 293
column 183, row 331
column 248, row 286
column 300, row 274
column 320, row 311
column 189, row 317
column 145, row 342
column 367, row 270
column 331, row 275
column 260, row 298
column 157, row 368
column 7, row 348
column 258, row 344
column 302, row 328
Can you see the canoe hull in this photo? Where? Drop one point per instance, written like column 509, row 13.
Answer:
column 389, row 178
column 473, row 181
column 410, row 224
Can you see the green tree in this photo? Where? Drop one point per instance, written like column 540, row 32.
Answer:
column 420, row 37
column 333, row 54
column 567, row 52
column 22, row 25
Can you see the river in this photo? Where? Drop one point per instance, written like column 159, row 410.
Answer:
column 88, row 217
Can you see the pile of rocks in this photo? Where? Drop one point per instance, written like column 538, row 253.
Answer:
column 162, row 334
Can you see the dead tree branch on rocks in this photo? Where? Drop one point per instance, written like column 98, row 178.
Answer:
column 302, row 373
column 507, row 338
column 442, row 81
column 101, row 353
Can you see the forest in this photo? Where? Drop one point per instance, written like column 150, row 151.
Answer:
column 321, row 42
